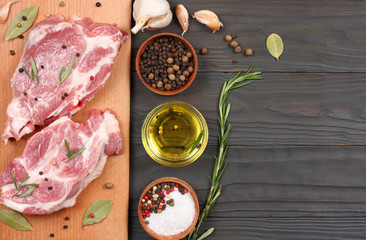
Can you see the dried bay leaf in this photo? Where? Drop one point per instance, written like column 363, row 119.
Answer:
column 18, row 25
column 100, row 209
column 15, row 220
column 275, row 45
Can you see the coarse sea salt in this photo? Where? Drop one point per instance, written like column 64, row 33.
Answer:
column 175, row 219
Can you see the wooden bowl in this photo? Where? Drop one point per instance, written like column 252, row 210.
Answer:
column 190, row 48
column 181, row 234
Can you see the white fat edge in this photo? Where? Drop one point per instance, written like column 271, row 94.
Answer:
column 111, row 123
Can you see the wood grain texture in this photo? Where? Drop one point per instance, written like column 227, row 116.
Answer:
column 277, row 229
column 297, row 149
column 280, row 109
column 115, row 95
column 319, row 36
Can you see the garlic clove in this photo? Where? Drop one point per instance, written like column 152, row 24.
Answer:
column 159, row 22
column 182, row 16
column 208, row 18
column 145, row 10
column 4, row 11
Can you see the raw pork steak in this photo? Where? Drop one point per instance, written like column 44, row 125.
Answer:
column 53, row 44
column 44, row 160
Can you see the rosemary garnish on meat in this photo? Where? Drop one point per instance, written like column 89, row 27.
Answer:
column 34, row 71
column 70, row 154
column 224, row 110
column 64, row 73
column 21, row 185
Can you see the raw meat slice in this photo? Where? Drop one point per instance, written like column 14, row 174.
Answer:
column 53, row 44
column 44, row 160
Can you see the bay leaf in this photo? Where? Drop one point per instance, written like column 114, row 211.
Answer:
column 15, row 220
column 13, row 30
column 100, row 209
column 275, row 45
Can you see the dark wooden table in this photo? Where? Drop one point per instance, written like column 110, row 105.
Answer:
column 297, row 156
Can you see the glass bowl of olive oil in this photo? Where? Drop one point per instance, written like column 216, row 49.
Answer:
column 174, row 134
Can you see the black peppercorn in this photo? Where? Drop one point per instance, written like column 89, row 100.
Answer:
column 63, row 98
column 40, row 173
column 12, row 52
column 21, row 70
column 42, row 66
column 66, row 94
column 25, row 94
column 64, row 46
column 21, row 36
column 24, row 18
column 65, row 226
column 46, row 179
column 52, row 235
column 98, row 4
column 35, row 99
column 78, row 55
column 67, row 218
column 50, row 188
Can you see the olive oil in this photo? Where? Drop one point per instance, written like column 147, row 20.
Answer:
column 172, row 130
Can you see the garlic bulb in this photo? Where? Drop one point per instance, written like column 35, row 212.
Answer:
column 4, row 11
column 182, row 16
column 151, row 14
column 208, row 18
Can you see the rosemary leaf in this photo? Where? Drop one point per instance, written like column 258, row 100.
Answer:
column 67, row 148
column 13, row 179
column 26, row 193
column 60, row 75
column 67, row 72
column 34, row 70
column 224, row 110
column 26, row 72
column 195, row 143
column 25, row 179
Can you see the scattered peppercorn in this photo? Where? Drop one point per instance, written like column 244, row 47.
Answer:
column 67, row 218
column 21, row 36
column 12, row 52
column 65, row 226
column 50, row 188
column 233, row 35
column 42, row 66
column 203, row 51
column 108, row 185
column 64, row 46
column 98, row 4
column 62, row 4
column 25, row 94
column 46, row 179
column 249, row 52
column 63, row 98
column 66, row 94
column 234, row 44
column 228, row 38
column 21, row 70
column 35, row 99
column 52, row 235
column 77, row 54
column 24, row 18
column 40, row 173
column 238, row 49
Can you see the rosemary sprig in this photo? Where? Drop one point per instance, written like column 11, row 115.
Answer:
column 224, row 110
column 196, row 142
column 64, row 73
column 69, row 153
column 21, row 185
column 34, row 71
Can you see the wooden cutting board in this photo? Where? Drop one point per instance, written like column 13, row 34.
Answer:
column 114, row 95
